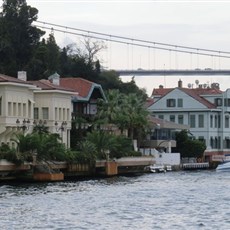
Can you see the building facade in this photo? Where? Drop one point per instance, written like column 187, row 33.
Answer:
column 204, row 109
column 23, row 104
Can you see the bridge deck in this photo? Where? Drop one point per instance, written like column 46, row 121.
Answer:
column 172, row 72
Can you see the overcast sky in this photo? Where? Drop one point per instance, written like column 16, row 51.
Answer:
column 203, row 24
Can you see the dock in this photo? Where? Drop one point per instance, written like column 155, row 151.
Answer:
column 192, row 166
column 58, row 171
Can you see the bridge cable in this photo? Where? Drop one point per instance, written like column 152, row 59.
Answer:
column 141, row 45
column 136, row 40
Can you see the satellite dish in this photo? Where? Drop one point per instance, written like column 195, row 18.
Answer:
column 189, row 85
column 197, row 82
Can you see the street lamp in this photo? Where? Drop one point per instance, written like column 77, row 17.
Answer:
column 40, row 126
column 39, row 123
column 25, row 124
column 62, row 127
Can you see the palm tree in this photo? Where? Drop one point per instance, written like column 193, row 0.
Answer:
column 125, row 111
column 108, row 110
column 135, row 113
column 47, row 146
column 103, row 142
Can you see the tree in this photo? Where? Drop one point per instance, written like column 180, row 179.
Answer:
column 108, row 110
column 92, row 48
column 38, row 64
column 18, row 38
column 188, row 147
column 103, row 142
column 136, row 114
column 125, row 111
column 46, row 146
column 52, row 56
column 131, row 87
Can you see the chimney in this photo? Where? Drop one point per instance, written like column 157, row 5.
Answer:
column 55, row 79
column 22, row 75
column 180, row 83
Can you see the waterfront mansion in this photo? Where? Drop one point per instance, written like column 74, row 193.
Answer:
column 206, row 109
column 52, row 103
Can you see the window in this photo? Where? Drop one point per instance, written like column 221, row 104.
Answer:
column 201, row 121
column 14, row 109
column 19, row 109
column 64, row 114
column 227, row 143
column 172, row 118
column 192, row 121
column 201, row 138
column 180, row 102
column 218, row 101
column 59, row 117
column 29, row 108
column 212, row 142
column 24, row 109
column 171, row 102
column 180, row 119
column 211, row 121
column 215, row 143
column 219, row 121
column 68, row 117
column 9, row 108
column 161, row 117
column 36, row 116
column 56, row 113
column 0, row 106
column 226, row 121
column 215, row 121
column 45, row 113
column 227, row 102
column 219, row 142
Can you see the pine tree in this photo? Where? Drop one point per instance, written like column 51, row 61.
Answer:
column 18, row 38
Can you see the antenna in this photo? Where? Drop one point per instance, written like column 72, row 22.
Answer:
column 197, row 82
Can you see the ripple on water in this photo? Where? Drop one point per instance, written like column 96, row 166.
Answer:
column 177, row 200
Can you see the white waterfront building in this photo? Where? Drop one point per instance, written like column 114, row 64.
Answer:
column 205, row 109
column 24, row 103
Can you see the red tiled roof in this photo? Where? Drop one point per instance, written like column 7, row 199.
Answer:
column 196, row 93
column 149, row 102
column 5, row 78
column 79, row 85
column 207, row 91
column 161, row 91
column 47, row 85
column 196, row 96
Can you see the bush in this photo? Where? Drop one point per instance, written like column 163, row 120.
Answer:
column 9, row 154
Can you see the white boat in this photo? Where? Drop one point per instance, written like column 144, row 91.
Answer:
column 168, row 168
column 156, row 168
column 224, row 167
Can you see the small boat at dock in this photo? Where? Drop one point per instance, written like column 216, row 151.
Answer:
column 156, row 168
column 223, row 167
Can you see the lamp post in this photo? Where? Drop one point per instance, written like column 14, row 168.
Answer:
column 24, row 126
column 61, row 128
column 40, row 126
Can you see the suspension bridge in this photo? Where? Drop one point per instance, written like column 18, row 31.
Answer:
column 132, row 56
column 160, row 72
